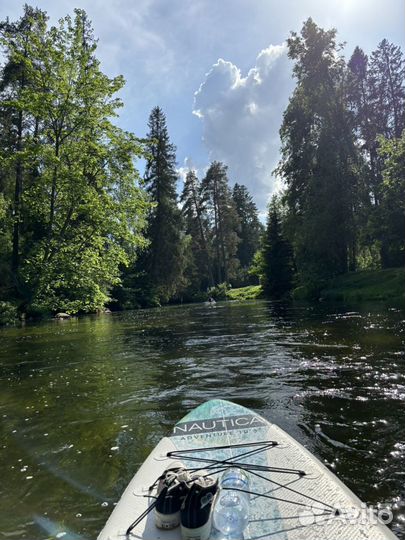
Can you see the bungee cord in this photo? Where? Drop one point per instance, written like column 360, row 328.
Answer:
column 216, row 466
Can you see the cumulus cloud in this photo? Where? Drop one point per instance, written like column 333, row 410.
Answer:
column 241, row 117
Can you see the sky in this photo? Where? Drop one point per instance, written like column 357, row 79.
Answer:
column 218, row 69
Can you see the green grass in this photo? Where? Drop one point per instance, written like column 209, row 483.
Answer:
column 386, row 284
column 251, row 292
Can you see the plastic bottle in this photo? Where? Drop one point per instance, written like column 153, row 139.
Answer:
column 231, row 510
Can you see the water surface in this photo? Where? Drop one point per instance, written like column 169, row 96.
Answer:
column 83, row 401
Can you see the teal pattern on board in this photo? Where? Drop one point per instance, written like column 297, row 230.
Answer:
column 222, row 423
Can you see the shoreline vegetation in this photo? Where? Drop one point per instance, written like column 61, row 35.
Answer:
column 82, row 230
column 355, row 287
column 361, row 286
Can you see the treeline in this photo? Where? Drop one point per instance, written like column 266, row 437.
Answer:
column 343, row 166
column 204, row 239
column 80, row 229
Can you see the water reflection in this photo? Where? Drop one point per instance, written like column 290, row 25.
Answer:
column 83, row 401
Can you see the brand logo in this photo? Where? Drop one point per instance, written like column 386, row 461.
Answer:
column 218, row 424
column 362, row 515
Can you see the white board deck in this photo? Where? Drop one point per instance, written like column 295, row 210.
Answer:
column 288, row 515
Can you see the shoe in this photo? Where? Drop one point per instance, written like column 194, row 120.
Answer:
column 195, row 513
column 172, row 489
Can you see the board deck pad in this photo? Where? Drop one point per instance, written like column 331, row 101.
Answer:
column 297, row 507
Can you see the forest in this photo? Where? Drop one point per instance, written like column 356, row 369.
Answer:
column 83, row 229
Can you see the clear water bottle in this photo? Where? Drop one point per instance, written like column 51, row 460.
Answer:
column 231, row 510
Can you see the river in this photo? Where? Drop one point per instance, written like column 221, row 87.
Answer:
column 83, row 401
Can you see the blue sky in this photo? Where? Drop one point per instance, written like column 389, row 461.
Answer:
column 218, row 68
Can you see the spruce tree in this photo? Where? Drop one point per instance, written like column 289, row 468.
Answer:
column 276, row 259
column 250, row 228
column 163, row 260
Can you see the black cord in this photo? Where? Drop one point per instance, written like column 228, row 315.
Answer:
column 216, row 466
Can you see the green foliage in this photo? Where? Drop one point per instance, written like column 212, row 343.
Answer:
column 369, row 285
column 251, row 292
column 249, row 227
column 199, row 264
column 163, row 262
column 276, row 264
column 223, row 221
column 392, row 208
column 8, row 313
column 219, row 292
column 319, row 158
column 79, row 213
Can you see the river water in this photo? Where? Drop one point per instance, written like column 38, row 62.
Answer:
column 83, row 401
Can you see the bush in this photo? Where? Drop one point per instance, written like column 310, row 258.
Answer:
column 218, row 292
column 8, row 313
column 38, row 311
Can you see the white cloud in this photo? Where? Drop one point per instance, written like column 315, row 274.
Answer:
column 241, row 117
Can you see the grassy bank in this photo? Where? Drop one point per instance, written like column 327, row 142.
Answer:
column 367, row 285
column 245, row 293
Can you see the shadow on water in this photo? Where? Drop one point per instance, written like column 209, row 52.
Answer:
column 84, row 401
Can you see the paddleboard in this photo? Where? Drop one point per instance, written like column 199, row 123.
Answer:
column 295, row 497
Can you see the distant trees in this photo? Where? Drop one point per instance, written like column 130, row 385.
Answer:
column 222, row 221
column 376, row 97
column 250, row 229
column 218, row 221
column 80, row 228
column 199, row 272
column 276, row 256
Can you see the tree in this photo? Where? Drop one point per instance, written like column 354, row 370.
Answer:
column 250, row 228
column 276, row 256
column 393, row 200
column 319, row 158
column 163, row 261
column 17, row 40
column 376, row 94
column 387, row 93
column 223, row 220
column 196, row 226
column 83, row 210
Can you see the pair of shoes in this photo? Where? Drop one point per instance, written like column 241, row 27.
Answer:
column 186, row 500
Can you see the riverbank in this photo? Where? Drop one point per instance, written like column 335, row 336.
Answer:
column 369, row 285
column 366, row 285
column 251, row 292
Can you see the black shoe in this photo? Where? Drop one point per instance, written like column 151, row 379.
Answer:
column 173, row 487
column 196, row 509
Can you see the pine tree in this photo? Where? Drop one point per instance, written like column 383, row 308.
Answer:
column 163, row 261
column 387, row 82
column 392, row 208
column 223, row 220
column 276, row 256
column 196, row 226
column 250, row 228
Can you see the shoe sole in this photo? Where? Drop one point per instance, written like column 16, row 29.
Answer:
column 167, row 521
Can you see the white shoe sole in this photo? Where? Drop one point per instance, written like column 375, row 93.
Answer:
column 167, row 521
